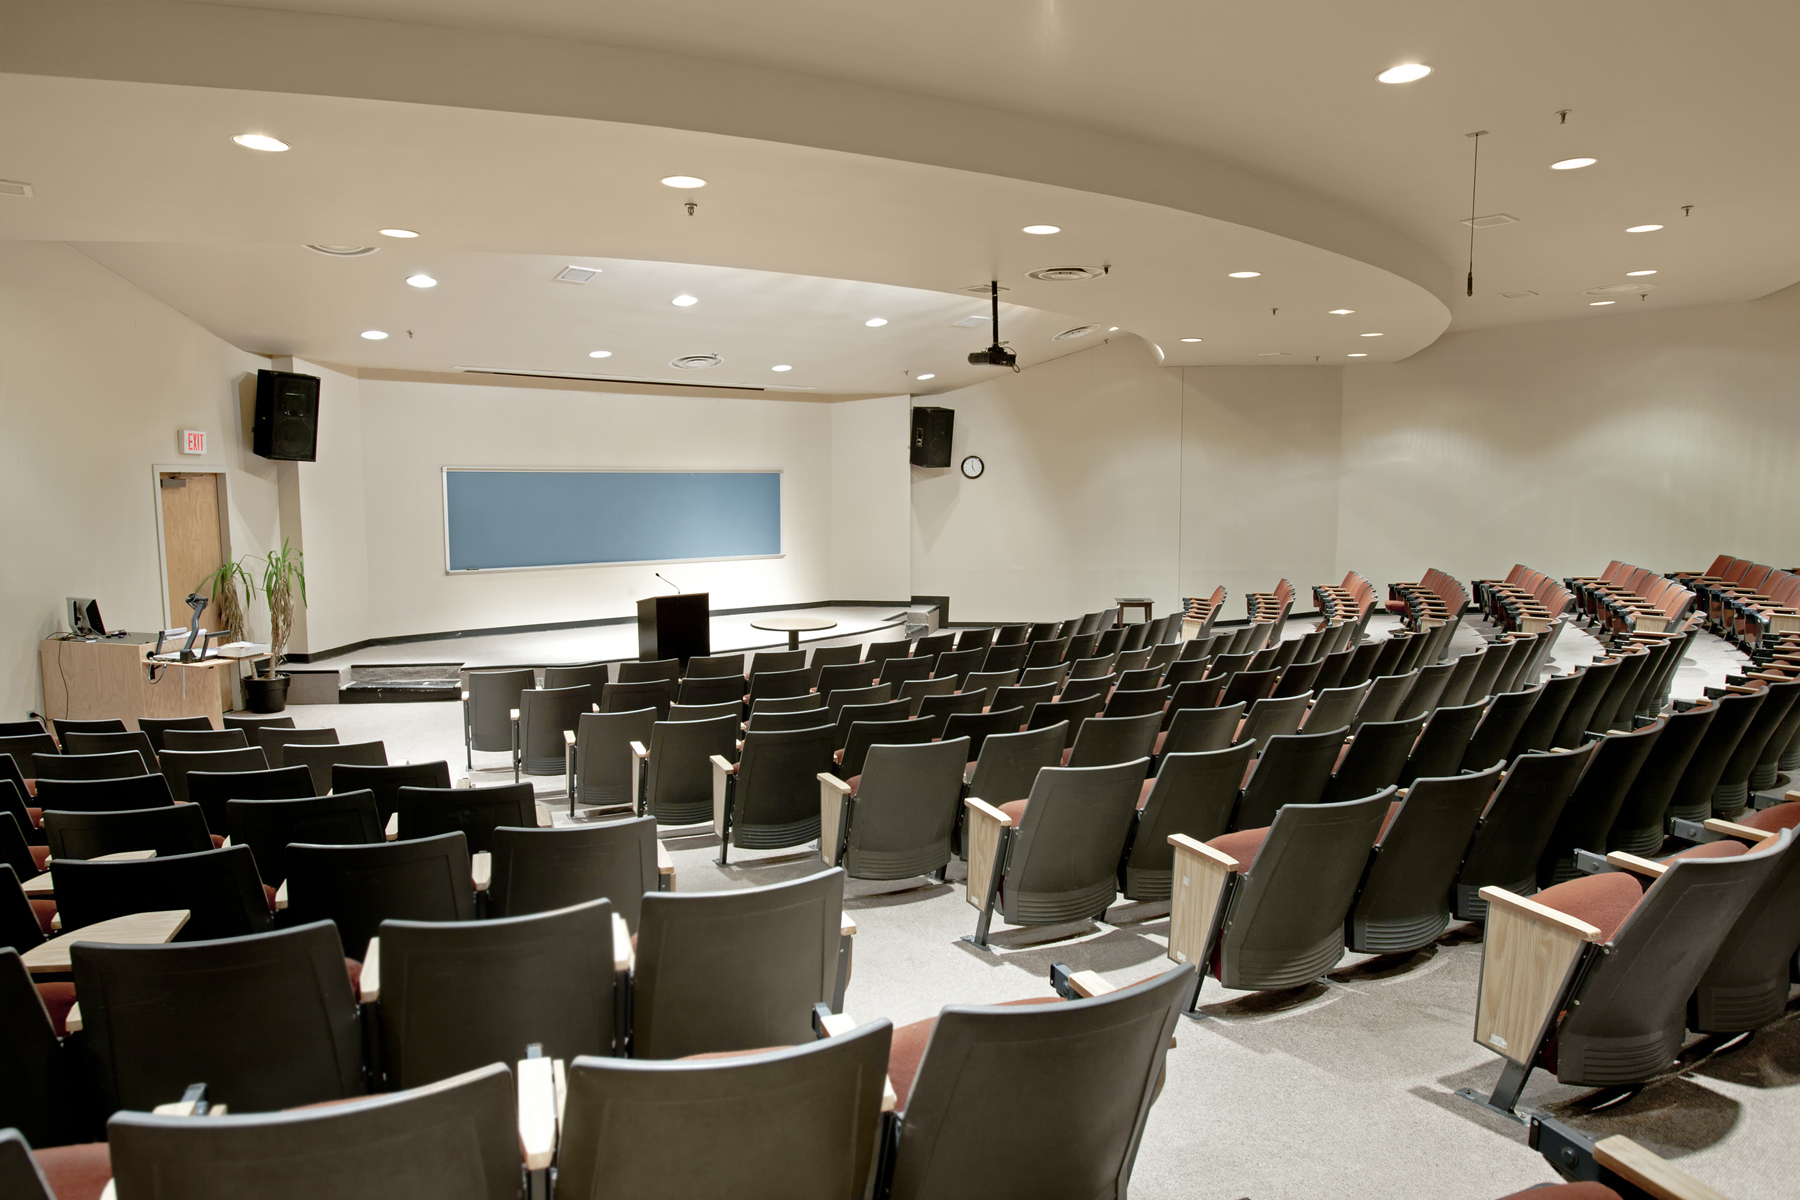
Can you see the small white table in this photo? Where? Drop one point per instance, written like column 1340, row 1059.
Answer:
column 793, row 627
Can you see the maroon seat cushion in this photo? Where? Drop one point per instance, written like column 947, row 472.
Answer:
column 1144, row 792
column 1584, row 1190
column 1397, row 607
column 1774, row 820
column 1160, row 738
column 1725, row 848
column 908, row 1048
column 1387, row 822
column 1603, row 901
column 353, row 969
column 1242, row 845
column 36, row 814
column 58, row 999
column 269, row 894
column 217, row 841
column 40, row 855
column 1016, row 810
column 76, row 1172
column 44, row 910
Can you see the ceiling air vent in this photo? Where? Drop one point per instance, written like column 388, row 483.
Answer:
column 343, row 251
column 1491, row 220
column 1516, row 295
column 12, row 187
column 1621, row 289
column 1067, row 274
column 982, row 289
column 696, row 362
column 574, row 274
column 1069, row 335
column 971, row 322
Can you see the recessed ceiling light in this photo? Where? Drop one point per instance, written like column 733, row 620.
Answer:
column 1342, row 312
column 1371, row 335
column 1573, row 164
column 684, row 300
column 1404, row 73
column 1042, row 229
column 782, row 367
column 1190, row 339
column 1598, row 303
column 599, row 353
column 927, row 375
column 1640, row 272
column 683, row 181
column 1358, row 354
column 875, row 322
column 260, row 141
column 421, row 280
column 374, row 335
column 1245, row 274
column 1643, row 229
column 399, row 233
column 1112, row 329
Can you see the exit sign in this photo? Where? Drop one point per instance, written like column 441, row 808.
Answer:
column 193, row 441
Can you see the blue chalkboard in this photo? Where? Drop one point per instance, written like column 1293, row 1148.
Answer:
column 496, row 520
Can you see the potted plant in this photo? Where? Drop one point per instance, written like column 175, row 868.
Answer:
column 283, row 579
column 222, row 585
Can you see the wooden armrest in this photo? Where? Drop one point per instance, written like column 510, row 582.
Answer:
column 544, row 819
column 1201, row 886
column 837, row 1024
column 392, row 829
column 846, row 925
column 664, row 864
column 72, row 1020
column 513, row 714
column 985, row 832
column 178, row 1108
column 281, row 897
column 371, row 972
column 568, row 737
column 639, row 750
column 833, row 797
column 481, row 869
column 1529, row 953
column 720, row 764
column 537, row 1112
column 1634, row 864
column 1726, row 828
column 624, row 957
column 1649, row 1171
column 1089, row 984
column 834, row 783
column 465, row 697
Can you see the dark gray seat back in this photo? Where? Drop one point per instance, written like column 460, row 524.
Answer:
column 957, row 664
column 592, row 676
column 1374, row 761
column 1493, row 739
column 1194, row 730
column 1382, row 703
column 1292, row 769
column 1587, row 818
column 112, row 743
column 493, row 695
column 805, row 1116
column 1336, row 706
column 267, row 1021
column 978, row 727
column 473, row 812
column 1272, row 717
column 536, row 870
column 213, row 790
column 269, row 827
column 205, row 739
column 22, row 746
column 1427, row 689
column 545, row 714
column 1732, row 791
column 104, row 795
column 1008, row 657
column 1193, row 793
column 219, row 888
column 629, row 697
column 1103, row 741
column 649, row 670
column 1404, row 902
column 1441, row 747
column 155, row 727
column 1638, row 826
column 713, row 690
column 1540, row 724
column 1693, row 797
column 1746, row 984
column 846, row 715
column 1028, row 1061
column 833, row 676
column 905, row 809
column 1516, row 827
column 908, row 731
column 386, row 780
column 177, row 764
column 1064, row 860
column 169, row 829
column 603, row 754
column 776, row 794
column 116, row 765
column 1596, row 678
column 678, row 783
column 773, row 950
column 359, row 887
column 275, row 739
column 455, row 1140
column 457, row 995
column 1007, row 764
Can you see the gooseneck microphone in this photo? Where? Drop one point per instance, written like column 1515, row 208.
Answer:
column 659, row 575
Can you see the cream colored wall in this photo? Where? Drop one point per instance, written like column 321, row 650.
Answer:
column 96, row 380
column 1662, row 438
column 1259, row 481
column 871, row 482
column 324, row 516
column 412, row 430
column 1079, row 501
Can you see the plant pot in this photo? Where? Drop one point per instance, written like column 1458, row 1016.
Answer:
column 265, row 693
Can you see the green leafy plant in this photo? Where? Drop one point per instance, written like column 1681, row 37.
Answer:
column 283, row 578
column 222, row 585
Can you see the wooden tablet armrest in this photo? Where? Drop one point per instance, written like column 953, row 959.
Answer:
column 1649, row 1171
column 1202, row 878
column 465, row 697
column 1634, row 864
column 392, row 829
column 834, row 794
column 985, row 831
column 481, row 869
column 1088, row 984
column 639, row 750
column 513, row 715
column 1528, row 955
column 544, row 819
column 846, row 925
column 537, row 1112
column 720, row 764
column 371, row 972
column 834, row 1024
column 72, row 1020
column 664, row 864
column 569, row 738
column 624, row 957
column 281, row 897
column 1726, row 828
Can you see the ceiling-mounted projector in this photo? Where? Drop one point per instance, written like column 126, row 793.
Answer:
column 995, row 355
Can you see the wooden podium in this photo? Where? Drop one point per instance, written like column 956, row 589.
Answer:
column 95, row 680
column 675, row 627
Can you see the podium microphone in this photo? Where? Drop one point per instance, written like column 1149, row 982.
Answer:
column 659, row 575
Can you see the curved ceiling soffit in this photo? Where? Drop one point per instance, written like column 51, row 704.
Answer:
column 199, row 45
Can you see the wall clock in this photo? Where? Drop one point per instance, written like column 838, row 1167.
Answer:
column 972, row 467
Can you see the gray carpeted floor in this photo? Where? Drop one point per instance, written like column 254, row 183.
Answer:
column 1341, row 1088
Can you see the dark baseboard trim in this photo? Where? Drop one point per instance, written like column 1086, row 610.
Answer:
column 405, row 639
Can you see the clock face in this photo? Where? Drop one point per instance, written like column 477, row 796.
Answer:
column 973, row 467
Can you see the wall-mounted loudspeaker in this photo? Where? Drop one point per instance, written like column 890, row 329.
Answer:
column 931, row 430
column 287, row 416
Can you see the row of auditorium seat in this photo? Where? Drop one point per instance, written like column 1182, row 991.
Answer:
column 1625, row 599
column 1435, row 598
column 1526, row 600
column 1353, row 601
column 1751, row 604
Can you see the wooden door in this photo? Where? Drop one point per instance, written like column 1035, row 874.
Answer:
column 191, row 543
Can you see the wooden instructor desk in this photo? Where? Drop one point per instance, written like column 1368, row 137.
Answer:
column 87, row 681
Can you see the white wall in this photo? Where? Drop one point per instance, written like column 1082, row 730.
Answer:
column 412, row 430
column 871, row 511
column 1662, row 438
column 324, row 515
column 1079, row 501
column 96, row 380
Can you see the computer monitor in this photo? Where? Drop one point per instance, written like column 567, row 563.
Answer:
column 84, row 617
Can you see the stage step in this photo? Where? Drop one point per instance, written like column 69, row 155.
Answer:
column 402, row 683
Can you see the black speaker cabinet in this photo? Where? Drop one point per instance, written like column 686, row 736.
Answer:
column 287, row 416
column 931, row 430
